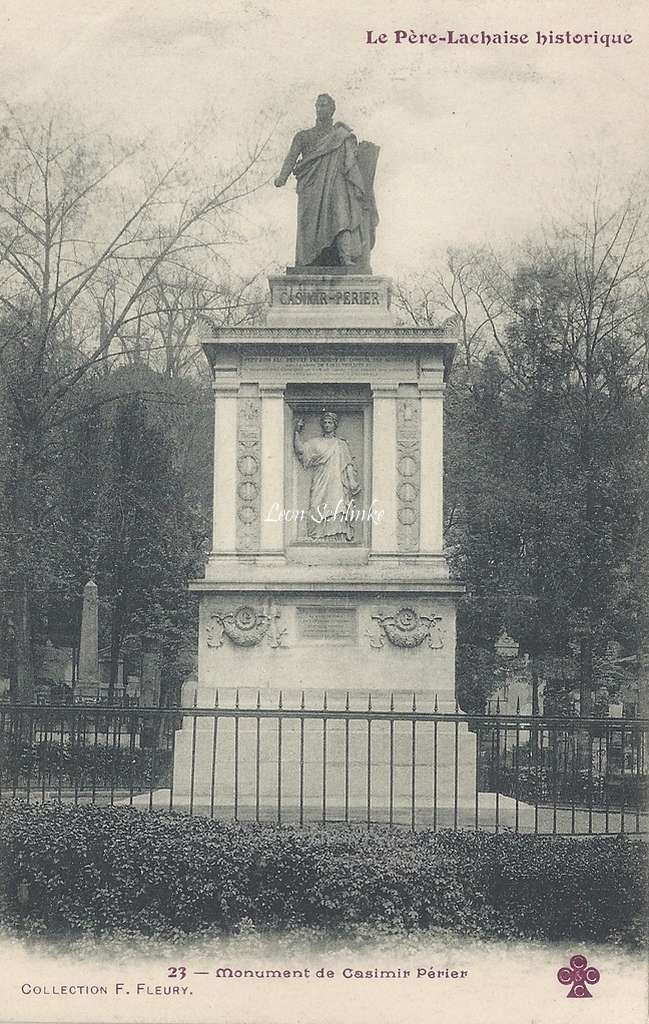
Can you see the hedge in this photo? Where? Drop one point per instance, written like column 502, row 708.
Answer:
column 83, row 767
column 97, row 870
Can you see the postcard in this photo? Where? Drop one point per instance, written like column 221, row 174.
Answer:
column 324, row 563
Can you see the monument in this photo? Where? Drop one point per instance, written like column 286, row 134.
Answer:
column 327, row 585
column 89, row 677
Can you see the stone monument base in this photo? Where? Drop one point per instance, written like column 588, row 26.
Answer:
column 275, row 756
column 359, row 637
column 358, row 641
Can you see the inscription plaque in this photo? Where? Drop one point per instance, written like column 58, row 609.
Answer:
column 333, row 626
column 305, row 365
column 325, row 290
column 306, row 296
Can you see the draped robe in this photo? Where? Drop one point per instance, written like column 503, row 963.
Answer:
column 334, row 484
column 334, row 196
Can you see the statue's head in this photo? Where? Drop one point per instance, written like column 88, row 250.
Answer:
column 325, row 106
column 328, row 422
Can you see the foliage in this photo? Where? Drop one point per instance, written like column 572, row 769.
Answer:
column 479, row 670
column 89, row 869
column 124, row 499
column 151, row 520
column 578, row 786
column 546, row 433
column 50, row 764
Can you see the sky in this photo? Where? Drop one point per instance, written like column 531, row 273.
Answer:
column 478, row 144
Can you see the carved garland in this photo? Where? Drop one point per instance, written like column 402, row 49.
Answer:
column 248, row 474
column 407, row 628
column 245, row 627
column 408, row 469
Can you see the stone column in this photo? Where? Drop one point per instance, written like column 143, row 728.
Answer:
column 225, row 468
column 272, row 466
column 384, row 467
column 432, row 468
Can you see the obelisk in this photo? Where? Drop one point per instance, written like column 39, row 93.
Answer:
column 89, row 642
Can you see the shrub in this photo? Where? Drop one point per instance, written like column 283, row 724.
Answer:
column 66, row 869
column 81, row 766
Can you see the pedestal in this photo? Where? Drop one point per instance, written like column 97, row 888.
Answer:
column 302, row 613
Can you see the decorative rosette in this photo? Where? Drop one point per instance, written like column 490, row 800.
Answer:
column 246, row 627
column 406, row 628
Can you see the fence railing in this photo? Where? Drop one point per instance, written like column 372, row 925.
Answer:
column 344, row 764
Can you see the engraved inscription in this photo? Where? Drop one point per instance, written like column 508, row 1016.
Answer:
column 342, row 360
column 305, row 296
column 333, row 626
column 306, row 365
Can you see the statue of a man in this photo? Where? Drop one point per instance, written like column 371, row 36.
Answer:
column 336, row 211
column 334, row 483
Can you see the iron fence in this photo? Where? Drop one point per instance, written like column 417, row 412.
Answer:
column 396, row 766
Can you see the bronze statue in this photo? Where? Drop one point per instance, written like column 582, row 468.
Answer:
column 336, row 212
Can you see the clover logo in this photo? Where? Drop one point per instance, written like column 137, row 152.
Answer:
column 578, row 975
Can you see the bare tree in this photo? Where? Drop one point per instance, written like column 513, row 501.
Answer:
column 183, row 299
column 88, row 231
column 461, row 288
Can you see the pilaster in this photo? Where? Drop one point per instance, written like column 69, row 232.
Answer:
column 432, row 467
column 272, row 468
column 384, row 470
column 224, row 529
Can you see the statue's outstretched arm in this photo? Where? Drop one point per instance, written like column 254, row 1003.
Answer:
column 290, row 162
column 298, row 446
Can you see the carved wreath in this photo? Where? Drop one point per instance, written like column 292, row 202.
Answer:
column 245, row 627
column 407, row 628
